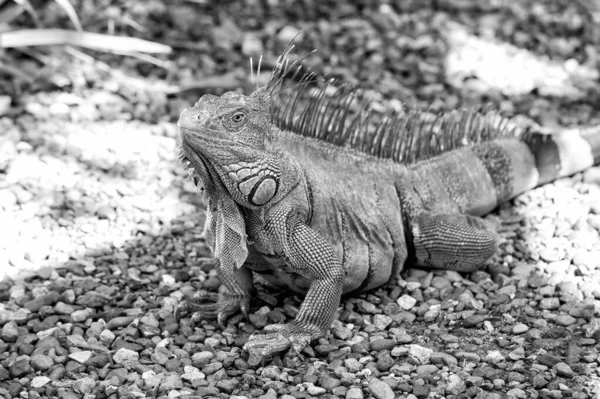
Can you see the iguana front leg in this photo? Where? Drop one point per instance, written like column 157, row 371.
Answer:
column 225, row 233
column 234, row 296
column 310, row 255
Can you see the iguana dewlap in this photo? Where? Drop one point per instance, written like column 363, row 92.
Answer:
column 317, row 199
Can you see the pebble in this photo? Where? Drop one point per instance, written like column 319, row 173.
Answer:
column 563, row 370
column 381, row 321
column 39, row 381
column 125, row 356
column 455, row 385
column 10, row 332
column 382, row 344
column 472, row 321
column 520, row 329
column 426, row 369
column 20, row 368
column 41, row 362
column 551, row 303
column 380, row 390
column 419, row 353
column 406, row 302
column 443, row 358
column 82, row 356
column 315, row 391
column 565, row 320
column 355, row 393
column 494, row 357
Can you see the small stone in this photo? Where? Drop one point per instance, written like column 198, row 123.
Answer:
column 10, row 332
column 40, row 381
column 212, row 368
column 468, row 356
column 20, row 368
column 549, row 303
column 520, row 328
column 564, row 370
column 329, row 383
column 171, row 382
column 84, row 385
column 432, row 314
column 41, row 362
column 539, row 381
column 81, row 356
column 419, row 353
column 517, row 393
column 380, row 390
column 355, row 393
column 494, row 357
column 518, row 353
column 4, row 104
column 79, row 316
column 443, row 358
column 439, row 282
column 272, row 372
column 126, row 356
column 565, row 320
column 63, row 309
column 426, row 369
column 315, row 391
column 228, row 385
column 352, row 365
column 382, row 344
column 43, row 300
column 473, row 320
column 341, row 332
column 119, row 322
column 592, row 175
column 406, row 302
column 455, row 385
column 381, row 321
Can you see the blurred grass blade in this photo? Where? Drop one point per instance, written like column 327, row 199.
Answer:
column 10, row 11
column 16, row 72
column 96, row 41
column 30, row 10
column 71, row 13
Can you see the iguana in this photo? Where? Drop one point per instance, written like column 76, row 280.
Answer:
column 315, row 189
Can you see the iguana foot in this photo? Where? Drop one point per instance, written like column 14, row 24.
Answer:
column 209, row 306
column 279, row 337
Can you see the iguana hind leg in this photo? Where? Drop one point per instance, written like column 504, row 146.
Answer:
column 452, row 241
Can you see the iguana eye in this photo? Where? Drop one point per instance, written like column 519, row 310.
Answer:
column 238, row 118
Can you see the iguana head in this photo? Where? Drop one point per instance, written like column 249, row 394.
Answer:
column 226, row 139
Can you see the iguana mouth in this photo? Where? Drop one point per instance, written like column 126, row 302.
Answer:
column 199, row 170
column 196, row 167
column 192, row 173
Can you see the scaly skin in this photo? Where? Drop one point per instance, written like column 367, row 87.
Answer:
column 327, row 220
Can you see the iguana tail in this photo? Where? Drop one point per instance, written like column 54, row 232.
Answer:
column 564, row 153
column 516, row 166
column 543, row 158
column 477, row 178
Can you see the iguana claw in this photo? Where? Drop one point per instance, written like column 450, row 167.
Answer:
column 280, row 337
column 210, row 306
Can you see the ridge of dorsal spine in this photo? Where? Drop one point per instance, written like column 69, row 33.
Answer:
column 349, row 116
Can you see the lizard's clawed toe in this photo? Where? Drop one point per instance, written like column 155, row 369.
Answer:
column 280, row 337
column 211, row 306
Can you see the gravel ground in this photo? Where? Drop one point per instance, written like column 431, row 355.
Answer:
column 100, row 235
